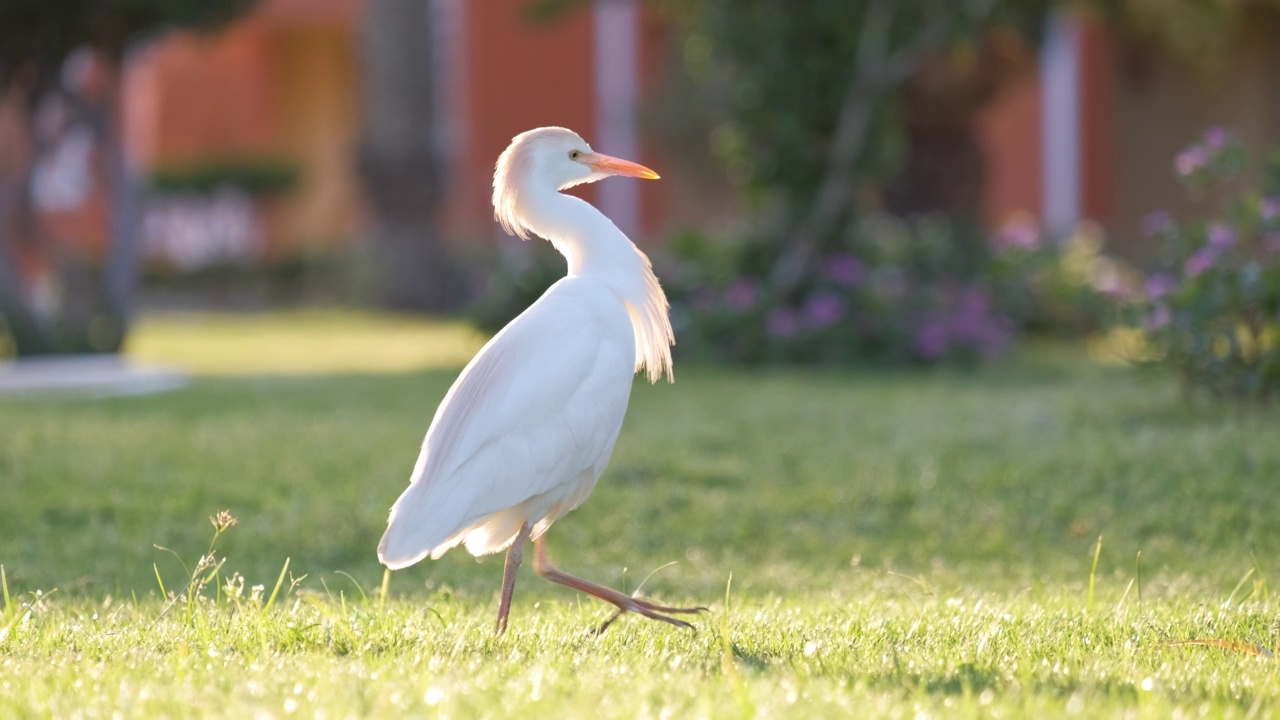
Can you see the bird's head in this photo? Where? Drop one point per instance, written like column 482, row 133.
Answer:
column 551, row 158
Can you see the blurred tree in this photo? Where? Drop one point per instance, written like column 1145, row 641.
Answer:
column 398, row 158
column 857, row 105
column 41, row 42
column 855, row 102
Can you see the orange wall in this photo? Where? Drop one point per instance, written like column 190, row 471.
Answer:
column 518, row 75
column 1010, row 130
column 1010, row 133
column 1097, row 127
column 205, row 96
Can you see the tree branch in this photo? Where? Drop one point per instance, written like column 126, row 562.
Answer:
column 876, row 71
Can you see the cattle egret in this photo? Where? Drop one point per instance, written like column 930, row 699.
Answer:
column 528, row 427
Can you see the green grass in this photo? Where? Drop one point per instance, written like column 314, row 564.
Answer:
column 899, row 544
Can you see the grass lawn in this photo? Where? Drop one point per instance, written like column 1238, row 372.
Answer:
column 900, row 545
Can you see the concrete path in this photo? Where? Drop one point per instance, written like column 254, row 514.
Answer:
column 86, row 376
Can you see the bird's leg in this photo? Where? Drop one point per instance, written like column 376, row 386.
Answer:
column 542, row 565
column 514, row 554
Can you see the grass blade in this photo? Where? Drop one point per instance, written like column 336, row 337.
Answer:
column 1227, row 603
column 276, row 590
column 1093, row 574
column 363, row 596
column 159, row 581
column 727, row 664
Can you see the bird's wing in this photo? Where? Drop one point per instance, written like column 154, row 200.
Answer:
column 537, row 408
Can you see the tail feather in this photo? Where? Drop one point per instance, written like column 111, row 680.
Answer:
column 411, row 538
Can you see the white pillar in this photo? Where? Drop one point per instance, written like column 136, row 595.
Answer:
column 617, row 86
column 1060, row 133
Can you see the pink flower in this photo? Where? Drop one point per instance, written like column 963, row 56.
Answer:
column 845, row 269
column 1190, row 160
column 1159, row 318
column 1269, row 208
column 823, row 310
column 1160, row 285
column 1221, row 236
column 931, row 340
column 1018, row 233
column 1200, row 261
column 782, row 323
column 742, row 295
column 1157, row 223
column 1216, row 138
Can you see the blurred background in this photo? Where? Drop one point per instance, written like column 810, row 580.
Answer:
column 843, row 180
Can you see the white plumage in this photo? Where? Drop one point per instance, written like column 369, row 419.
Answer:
column 529, row 425
column 525, row 431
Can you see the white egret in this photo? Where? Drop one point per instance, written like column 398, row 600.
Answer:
column 528, row 427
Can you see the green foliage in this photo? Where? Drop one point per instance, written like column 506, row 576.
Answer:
column 781, row 77
column 899, row 543
column 37, row 35
column 1212, row 311
column 515, row 285
column 255, row 176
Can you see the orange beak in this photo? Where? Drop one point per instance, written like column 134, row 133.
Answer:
column 616, row 166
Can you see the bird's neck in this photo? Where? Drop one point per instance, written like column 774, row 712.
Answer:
column 590, row 242
column 595, row 248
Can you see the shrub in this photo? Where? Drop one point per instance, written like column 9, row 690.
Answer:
column 1211, row 310
column 901, row 290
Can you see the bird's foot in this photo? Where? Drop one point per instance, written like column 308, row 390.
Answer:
column 652, row 611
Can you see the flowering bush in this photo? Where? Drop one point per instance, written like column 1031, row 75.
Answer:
column 1211, row 311
column 898, row 290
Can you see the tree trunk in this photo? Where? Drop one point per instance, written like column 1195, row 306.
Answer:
column 93, row 310
column 23, row 330
column 16, row 151
column 110, row 323
column 398, row 161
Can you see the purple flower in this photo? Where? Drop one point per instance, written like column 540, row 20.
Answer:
column 931, row 340
column 703, row 299
column 1269, row 208
column 1159, row 318
column 845, row 269
column 1200, row 261
column 1157, row 223
column 742, row 295
column 782, row 323
column 1272, row 242
column 971, row 314
column 1216, row 138
column 1017, row 233
column 1221, row 236
column 1190, row 160
column 823, row 310
column 1160, row 285
column 972, row 323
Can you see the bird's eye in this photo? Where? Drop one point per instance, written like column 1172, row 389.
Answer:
column 574, row 154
